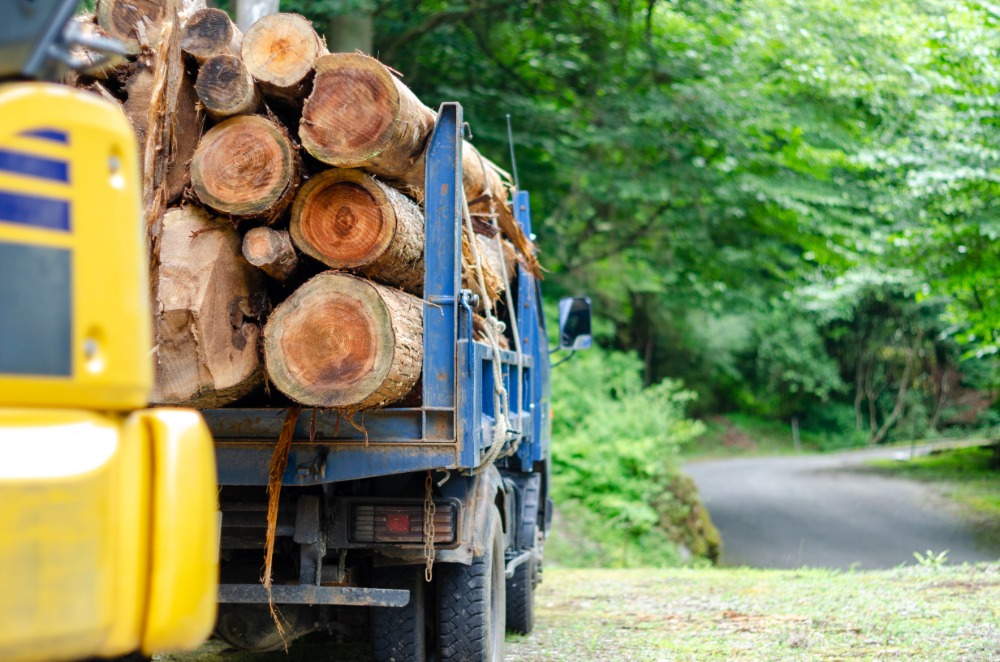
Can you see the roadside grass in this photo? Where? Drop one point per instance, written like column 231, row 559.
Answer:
column 918, row 613
column 738, row 435
column 963, row 475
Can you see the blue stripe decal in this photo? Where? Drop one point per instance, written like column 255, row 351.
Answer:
column 34, row 166
column 34, row 210
column 54, row 135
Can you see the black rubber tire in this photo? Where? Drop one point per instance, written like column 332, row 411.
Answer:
column 521, row 599
column 471, row 603
column 398, row 632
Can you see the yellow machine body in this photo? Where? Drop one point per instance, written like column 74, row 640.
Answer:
column 108, row 514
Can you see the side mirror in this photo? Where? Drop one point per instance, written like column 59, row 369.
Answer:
column 574, row 323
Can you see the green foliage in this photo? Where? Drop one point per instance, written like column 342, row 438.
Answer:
column 615, row 458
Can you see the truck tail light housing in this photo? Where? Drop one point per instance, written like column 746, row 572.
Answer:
column 400, row 522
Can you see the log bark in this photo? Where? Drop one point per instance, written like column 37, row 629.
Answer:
column 279, row 51
column 271, row 251
column 135, row 22
column 226, row 88
column 208, row 33
column 360, row 116
column 246, row 167
column 348, row 220
column 207, row 296
column 344, row 342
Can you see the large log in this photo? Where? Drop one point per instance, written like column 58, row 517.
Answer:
column 348, row 220
column 207, row 297
column 246, row 167
column 135, row 22
column 226, row 88
column 361, row 116
column 271, row 251
column 208, row 33
column 279, row 51
column 345, row 342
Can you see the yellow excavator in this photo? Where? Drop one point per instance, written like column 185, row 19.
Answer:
column 108, row 509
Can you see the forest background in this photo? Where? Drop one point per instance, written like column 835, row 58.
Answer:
column 782, row 209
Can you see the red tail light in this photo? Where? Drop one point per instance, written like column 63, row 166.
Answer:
column 400, row 523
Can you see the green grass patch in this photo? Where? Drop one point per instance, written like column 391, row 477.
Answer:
column 930, row 612
column 911, row 613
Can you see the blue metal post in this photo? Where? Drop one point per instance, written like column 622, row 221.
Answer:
column 528, row 322
column 442, row 257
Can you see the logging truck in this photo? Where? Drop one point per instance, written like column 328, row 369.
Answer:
column 431, row 515
column 108, row 520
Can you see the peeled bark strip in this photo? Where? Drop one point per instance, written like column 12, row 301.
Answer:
column 246, row 167
column 208, row 33
column 271, row 251
column 345, row 342
column 135, row 22
column 279, row 51
column 360, row 116
column 487, row 195
column 348, row 220
column 207, row 296
column 226, row 88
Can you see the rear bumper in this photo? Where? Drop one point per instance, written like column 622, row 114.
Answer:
column 348, row 596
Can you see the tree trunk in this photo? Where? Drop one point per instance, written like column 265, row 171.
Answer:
column 360, row 116
column 226, row 88
column 279, row 51
column 271, row 251
column 348, row 220
column 207, row 296
column 345, row 342
column 249, row 12
column 135, row 22
column 208, row 33
column 904, row 386
column 247, row 168
column 350, row 33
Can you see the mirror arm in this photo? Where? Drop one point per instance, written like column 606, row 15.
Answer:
column 563, row 360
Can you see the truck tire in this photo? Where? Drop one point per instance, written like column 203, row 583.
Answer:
column 471, row 603
column 521, row 598
column 398, row 632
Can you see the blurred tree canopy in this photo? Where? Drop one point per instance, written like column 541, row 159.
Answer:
column 788, row 205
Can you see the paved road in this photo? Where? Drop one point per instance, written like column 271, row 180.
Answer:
column 787, row 512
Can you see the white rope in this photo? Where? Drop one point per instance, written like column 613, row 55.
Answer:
column 493, row 330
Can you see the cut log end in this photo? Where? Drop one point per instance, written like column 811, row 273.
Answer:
column 208, row 33
column 271, row 251
column 344, row 342
column 279, row 51
column 245, row 167
column 349, row 117
column 126, row 20
column 226, row 88
column 342, row 218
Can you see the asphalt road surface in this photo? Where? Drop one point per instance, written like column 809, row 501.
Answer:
column 814, row 510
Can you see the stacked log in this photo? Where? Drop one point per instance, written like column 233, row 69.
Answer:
column 270, row 266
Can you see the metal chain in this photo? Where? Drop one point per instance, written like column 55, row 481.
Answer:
column 429, row 510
